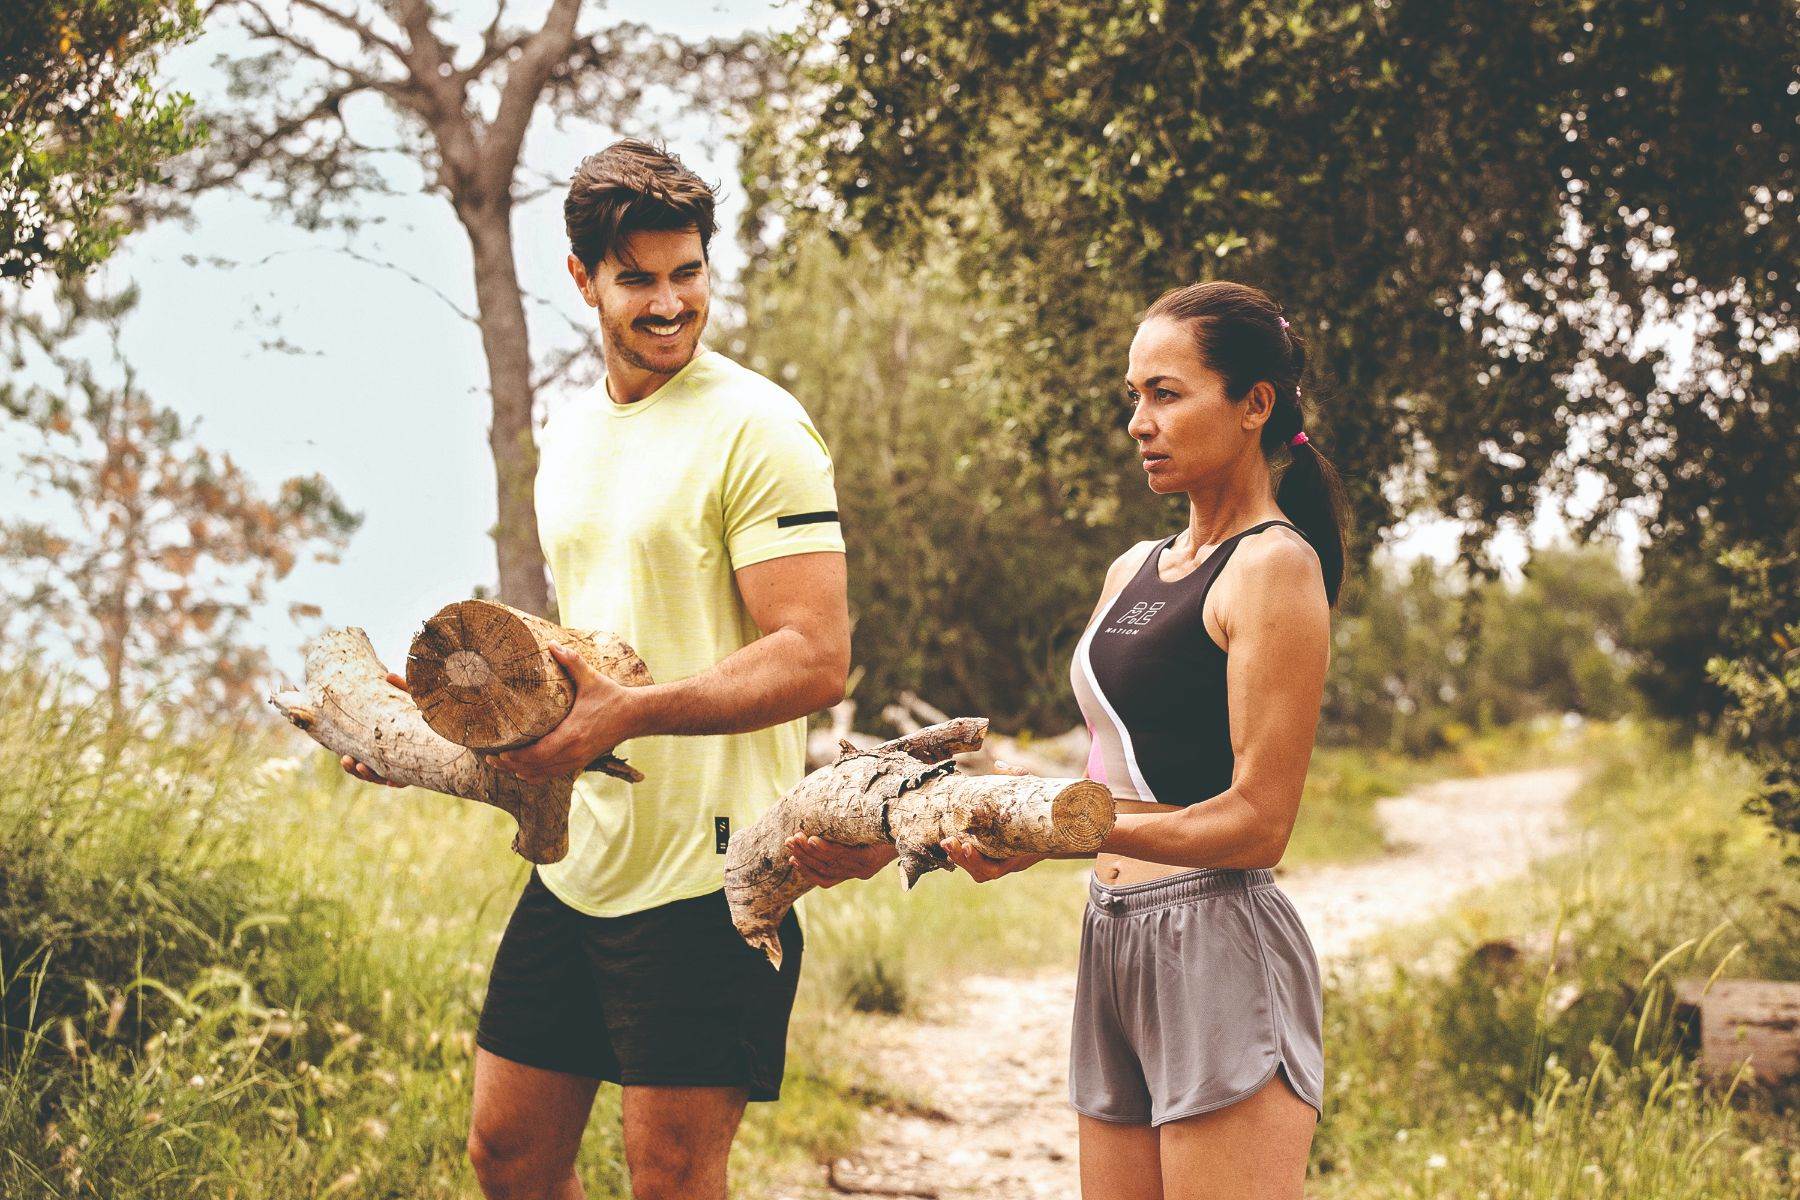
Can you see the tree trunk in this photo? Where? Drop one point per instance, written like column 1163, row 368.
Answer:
column 349, row 707
column 906, row 792
column 505, row 340
column 482, row 676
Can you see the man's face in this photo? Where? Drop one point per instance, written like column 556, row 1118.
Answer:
column 652, row 293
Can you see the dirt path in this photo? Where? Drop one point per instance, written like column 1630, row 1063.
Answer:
column 998, row 1125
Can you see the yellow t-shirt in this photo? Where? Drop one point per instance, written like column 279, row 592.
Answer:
column 645, row 510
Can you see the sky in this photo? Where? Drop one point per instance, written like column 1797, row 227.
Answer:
column 305, row 357
column 382, row 386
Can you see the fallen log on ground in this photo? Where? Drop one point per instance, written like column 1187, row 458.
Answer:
column 1754, row 1022
column 348, row 706
column 482, row 674
column 906, row 792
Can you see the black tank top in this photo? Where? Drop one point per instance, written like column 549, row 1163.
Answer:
column 1151, row 682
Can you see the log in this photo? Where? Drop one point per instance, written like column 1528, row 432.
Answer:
column 1063, row 754
column 906, row 792
column 1753, row 1021
column 482, row 675
column 823, row 744
column 348, row 706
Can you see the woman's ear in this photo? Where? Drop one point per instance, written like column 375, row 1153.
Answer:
column 1259, row 405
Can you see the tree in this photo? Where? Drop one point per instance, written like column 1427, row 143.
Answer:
column 459, row 107
column 153, row 549
column 82, row 123
column 965, row 587
column 1481, row 214
column 1760, row 669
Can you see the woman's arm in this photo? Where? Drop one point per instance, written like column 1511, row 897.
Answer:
column 1277, row 626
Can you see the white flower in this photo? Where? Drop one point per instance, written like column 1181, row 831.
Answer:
column 1436, row 1162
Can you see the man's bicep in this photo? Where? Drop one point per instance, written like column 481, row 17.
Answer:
column 807, row 591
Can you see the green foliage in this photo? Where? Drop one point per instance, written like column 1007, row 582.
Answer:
column 970, row 587
column 966, row 587
column 1426, row 656
column 1675, row 631
column 1761, row 670
column 214, row 983
column 1478, row 217
column 85, row 123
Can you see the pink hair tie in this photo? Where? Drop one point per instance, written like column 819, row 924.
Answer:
column 1284, row 321
column 1299, row 439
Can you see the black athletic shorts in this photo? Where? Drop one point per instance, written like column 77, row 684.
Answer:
column 668, row 997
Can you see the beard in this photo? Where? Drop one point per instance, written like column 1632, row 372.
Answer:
column 621, row 338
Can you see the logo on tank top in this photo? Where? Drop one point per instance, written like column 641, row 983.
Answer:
column 1141, row 614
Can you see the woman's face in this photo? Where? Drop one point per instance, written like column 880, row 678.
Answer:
column 1187, row 428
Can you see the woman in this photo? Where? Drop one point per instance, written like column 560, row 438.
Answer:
column 1196, row 1064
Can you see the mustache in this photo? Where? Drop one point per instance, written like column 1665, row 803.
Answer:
column 682, row 319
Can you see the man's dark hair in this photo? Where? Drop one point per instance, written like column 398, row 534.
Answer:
column 628, row 187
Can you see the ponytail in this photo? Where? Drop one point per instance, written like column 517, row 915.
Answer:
column 1242, row 335
column 1312, row 496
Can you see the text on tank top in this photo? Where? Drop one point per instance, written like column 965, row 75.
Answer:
column 1150, row 681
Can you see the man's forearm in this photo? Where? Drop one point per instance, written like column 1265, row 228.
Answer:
column 774, row 679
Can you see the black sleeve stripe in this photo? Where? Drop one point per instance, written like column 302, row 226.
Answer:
column 814, row 518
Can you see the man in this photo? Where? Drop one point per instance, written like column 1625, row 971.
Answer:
column 687, row 506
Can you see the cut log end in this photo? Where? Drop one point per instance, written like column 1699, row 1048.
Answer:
column 1082, row 815
column 480, row 678
column 483, row 676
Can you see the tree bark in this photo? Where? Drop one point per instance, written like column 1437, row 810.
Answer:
column 906, row 792
column 1753, row 1022
column 348, row 707
column 482, row 676
column 505, row 341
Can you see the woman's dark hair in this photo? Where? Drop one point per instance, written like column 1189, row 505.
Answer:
column 1240, row 333
column 628, row 187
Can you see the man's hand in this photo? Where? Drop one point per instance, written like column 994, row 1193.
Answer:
column 362, row 770
column 602, row 716
column 827, row 864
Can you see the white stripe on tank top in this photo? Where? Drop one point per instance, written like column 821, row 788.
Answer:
column 1085, row 667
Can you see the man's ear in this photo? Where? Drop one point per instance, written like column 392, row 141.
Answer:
column 583, row 283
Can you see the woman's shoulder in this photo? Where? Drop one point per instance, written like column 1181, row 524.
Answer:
column 1124, row 566
column 1277, row 560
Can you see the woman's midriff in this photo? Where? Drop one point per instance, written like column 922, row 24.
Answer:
column 1115, row 870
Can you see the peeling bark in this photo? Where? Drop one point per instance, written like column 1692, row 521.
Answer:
column 906, row 792
column 348, row 706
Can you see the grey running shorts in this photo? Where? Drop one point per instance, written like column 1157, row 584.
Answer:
column 1193, row 991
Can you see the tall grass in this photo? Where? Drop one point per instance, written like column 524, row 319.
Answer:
column 226, row 973
column 228, row 970
column 1527, row 1045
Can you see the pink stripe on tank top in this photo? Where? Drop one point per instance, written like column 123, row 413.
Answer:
column 1096, row 763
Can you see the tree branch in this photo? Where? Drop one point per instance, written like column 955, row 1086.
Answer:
column 365, row 33
column 306, row 49
column 544, row 51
